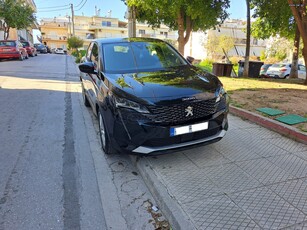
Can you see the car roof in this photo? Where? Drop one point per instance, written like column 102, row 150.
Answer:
column 119, row 40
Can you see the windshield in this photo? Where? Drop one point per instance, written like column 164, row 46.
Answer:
column 279, row 65
column 140, row 56
column 25, row 43
column 8, row 43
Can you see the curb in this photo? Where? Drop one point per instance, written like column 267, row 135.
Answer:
column 276, row 126
column 178, row 219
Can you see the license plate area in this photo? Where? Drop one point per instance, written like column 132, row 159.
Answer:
column 175, row 131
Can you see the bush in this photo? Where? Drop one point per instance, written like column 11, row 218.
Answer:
column 206, row 64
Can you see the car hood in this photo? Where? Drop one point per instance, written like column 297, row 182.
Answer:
column 176, row 84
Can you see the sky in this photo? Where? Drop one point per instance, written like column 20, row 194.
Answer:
column 55, row 8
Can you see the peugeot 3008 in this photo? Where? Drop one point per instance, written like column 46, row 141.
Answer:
column 148, row 98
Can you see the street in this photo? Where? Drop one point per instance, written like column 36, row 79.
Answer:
column 53, row 174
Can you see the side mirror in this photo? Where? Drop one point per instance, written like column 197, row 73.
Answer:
column 87, row 67
column 190, row 59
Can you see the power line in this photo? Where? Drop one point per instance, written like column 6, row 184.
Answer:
column 45, row 11
column 81, row 6
column 50, row 7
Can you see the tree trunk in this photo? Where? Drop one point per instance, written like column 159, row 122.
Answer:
column 248, row 38
column 299, row 13
column 184, row 31
column 305, row 59
column 6, row 32
column 293, row 72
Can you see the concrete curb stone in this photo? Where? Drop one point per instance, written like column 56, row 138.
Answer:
column 268, row 123
column 178, row 219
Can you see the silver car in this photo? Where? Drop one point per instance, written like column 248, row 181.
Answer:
column 282, row 70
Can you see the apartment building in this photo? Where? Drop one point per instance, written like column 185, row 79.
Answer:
column 23, row 34
column 55, row 31
column 233, row 28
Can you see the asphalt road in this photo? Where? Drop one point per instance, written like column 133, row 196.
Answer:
column 53, row 175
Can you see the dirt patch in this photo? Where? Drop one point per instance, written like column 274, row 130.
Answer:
column 292, row 101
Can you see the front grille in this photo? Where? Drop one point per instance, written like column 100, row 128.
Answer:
column 176, row 114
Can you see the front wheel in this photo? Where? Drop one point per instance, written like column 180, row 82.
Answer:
column 104, row 140
column 85, row 100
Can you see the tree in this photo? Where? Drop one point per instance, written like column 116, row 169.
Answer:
column 74, row 43
column 279, row 21
column 299, row 11
column 248, row 40
column 182, row 15
column 217, row 45
column 15, row 14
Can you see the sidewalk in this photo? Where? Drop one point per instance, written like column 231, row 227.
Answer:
column 253, row 178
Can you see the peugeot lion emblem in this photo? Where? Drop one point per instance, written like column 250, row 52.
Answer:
column 189, row 111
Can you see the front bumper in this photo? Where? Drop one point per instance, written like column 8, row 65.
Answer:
column 128, row 133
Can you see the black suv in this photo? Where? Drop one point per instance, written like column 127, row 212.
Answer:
column 148, row 98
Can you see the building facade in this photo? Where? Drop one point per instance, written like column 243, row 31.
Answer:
column 55, row 31
column 234, row 29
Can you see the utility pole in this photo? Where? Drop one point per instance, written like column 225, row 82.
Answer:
column 72, row 19
column 131, row 22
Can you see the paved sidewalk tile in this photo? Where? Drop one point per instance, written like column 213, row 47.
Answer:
column 172, row 162
column 291, row 163
column 206, row 156
column 267, row 209
column 289, row 145
column 230, row 178
column 302, row 155
column 219, row 213
column 294, row 192
column 265, row 171
column 188, row 187
column 300, row 226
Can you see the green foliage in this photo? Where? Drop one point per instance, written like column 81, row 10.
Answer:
column 204, row 14
column 279, row 49
column 15, row 14
column 262, row 55
column 74, row 42
column 206, row 64
column 78, row 54
column 182, row 15
column 273, row 18
column 216, row 45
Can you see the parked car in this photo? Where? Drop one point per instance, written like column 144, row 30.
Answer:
column 40, row 48
column 263, row 70
column 30, row 48
column 149, row 99
column 282, row 70
column 12, row 49
column 59, row 51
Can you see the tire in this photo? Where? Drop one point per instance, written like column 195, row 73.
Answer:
column 287, row 76
column 103, row 135
column 85, row 100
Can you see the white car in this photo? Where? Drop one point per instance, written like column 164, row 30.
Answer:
column 59, row 51
column 282, row 70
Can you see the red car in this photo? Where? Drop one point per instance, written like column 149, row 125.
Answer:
column 30, row 48
column 12, row 49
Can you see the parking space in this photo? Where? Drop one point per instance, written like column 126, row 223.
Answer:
column 253, row 178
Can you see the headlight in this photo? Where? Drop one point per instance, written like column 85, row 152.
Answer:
column 124, row 103
column 219, row 93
